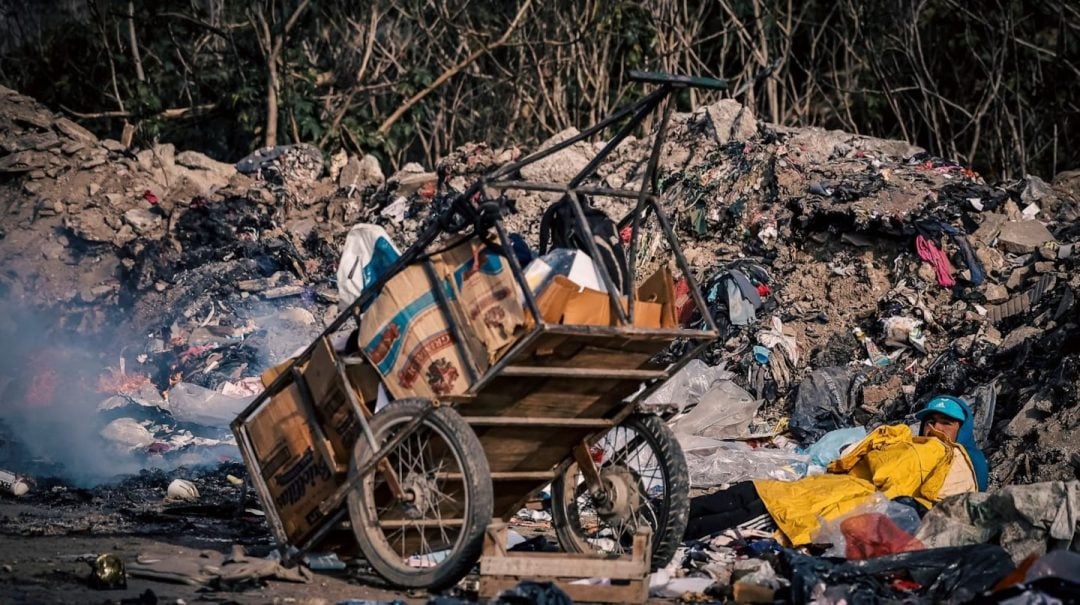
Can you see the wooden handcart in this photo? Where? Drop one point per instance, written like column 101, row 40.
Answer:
column 420, row 480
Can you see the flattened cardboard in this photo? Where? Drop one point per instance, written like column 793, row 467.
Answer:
column 297, row 476
column 406, row 337
column 333, row 409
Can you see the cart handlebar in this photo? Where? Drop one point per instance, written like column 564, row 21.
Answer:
column 678, row 81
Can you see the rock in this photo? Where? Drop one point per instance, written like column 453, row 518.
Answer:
column 560, row 167
column 1019, row 336
column 52, row 250
column 297, row 315
column 92, row 162
column 93, row 189
column 113, row 145
column 1029, row 418
column 23, row 161
column 197, row 161
column 361, row 172
column 409, row 184
column 90, row 225
column 730, row 120
column 123, row 235
column 114, row 199
column 1044, row 267
column 142, row 220
column 996, row 293
column 1035, row 190
column 73, row 147
column 101, row 290
column 991, row 259
column 989, row 227
column 1017, row 277
column 301, row 228
column 337, row 162
column 1023, row 237
column 73, row 131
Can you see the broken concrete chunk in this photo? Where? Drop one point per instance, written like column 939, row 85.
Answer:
column 1023, row 237
column 142, row 220
column 563, row 165
column 1019, row 336
column 74, row 131
column 1017, row 277
column 198, row 161
column 996, row 293
column 90, row 226
column 731, row 121
column 989, row 227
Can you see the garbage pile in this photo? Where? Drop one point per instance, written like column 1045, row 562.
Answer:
column 851, row 278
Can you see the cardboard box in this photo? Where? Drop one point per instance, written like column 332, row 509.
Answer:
column 407, row 337
column 296, row 473
column 654, row 307
column 485, row 295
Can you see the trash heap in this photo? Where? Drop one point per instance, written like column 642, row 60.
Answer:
column 851, row 278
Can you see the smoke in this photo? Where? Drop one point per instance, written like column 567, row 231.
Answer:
column 48, row 405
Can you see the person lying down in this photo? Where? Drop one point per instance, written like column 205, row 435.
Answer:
column 942, row 460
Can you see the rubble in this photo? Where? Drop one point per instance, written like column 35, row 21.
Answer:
column 201, row 274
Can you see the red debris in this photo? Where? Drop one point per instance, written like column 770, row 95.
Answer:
column 150, row 197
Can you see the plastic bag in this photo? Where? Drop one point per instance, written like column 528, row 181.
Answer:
column 725, row 411
column 686, row 387
column 193, row 403
column 879, row 527
column 954, row 575
column 713, row 462
column 367, row 254
column 828, row 448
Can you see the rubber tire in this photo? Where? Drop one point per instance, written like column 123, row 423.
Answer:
column 672, row 462
column 480, row 500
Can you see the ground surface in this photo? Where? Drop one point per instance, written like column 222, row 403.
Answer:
column 51, row 568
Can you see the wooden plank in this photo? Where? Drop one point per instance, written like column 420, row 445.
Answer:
column 583, row 372
column 556, row 567
column 593, row 423
column 395, row 523
column 529, row 448
column 506, row 476
column 501, row 570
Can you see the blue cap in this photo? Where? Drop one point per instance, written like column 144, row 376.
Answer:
column 945, row 405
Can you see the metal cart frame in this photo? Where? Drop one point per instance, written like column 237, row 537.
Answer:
column 616, row 376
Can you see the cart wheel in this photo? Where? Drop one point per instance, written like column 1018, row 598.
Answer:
column 432, row 537
column 645, row 478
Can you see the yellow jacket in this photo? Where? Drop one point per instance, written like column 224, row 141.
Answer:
column 890, row 460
